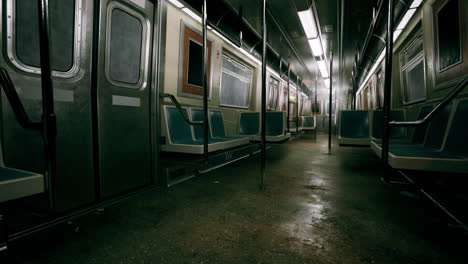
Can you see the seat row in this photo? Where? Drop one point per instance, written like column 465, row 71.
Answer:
column 185, row 138
column 305, row 123
column 360, row 127
column 439, row 146
column 249, row 126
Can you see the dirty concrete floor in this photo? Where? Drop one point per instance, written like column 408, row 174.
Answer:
column 317, row 208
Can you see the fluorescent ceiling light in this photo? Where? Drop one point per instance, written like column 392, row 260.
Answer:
column 176, row 3
column 316, row 46
column 192, row 14
column 396, row 34
column 409, row 14
column 323, row 68
column 416, row 3
column 381, row 56
column 308, row 23
column 373, row 69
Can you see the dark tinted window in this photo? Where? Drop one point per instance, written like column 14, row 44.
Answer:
column 448, row 26
column 125, row 47
column 62, row 28
column 195, row 62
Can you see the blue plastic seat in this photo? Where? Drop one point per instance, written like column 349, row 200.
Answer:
column 377, row 124
column 15, row 184
column 249, row 123
column 354, row 128
column 354, row 124
column 432, row 143
column 445, row 148
column 308, row 123
column 217, row 125
column 274, row 123
column 180, row 135
column 180, row 132
column 197, row 115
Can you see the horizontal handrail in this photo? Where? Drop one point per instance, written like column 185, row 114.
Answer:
column 181, row 111
column 447, row 100
column 16, row 104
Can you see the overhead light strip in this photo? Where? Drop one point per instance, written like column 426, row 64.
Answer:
column 178, row 4
column 308, row 23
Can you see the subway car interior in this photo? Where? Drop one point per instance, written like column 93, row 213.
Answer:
column 233, row 131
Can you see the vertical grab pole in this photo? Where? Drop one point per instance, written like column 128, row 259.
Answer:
column 263, row 111
column 315, row 110
column 330, row 104
column 205, row 86
column 48, row 114
column 387, row 86
column 287, row 107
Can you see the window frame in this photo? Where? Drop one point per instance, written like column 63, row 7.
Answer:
column 183, row 71
column 145, row 46
column 410, row 64
column 450, row 76
column 437, row 47
column 272, row 103
column 243, row 64
column 379, row 87
column 11, row 42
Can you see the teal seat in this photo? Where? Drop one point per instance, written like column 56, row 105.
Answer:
column 15, row 184
column 419, row 133
column 435, row 132
column 457, row 138
column 445, row 148
column 377, row 124
column 274, row 124
column 249, row 124
column 7, row 174
column 217, row 125
column 180, row 132
column 308, row 121
column 197, row 115
column 354, row 124
column 430, row 145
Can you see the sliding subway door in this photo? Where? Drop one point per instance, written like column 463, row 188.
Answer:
column 125, row 44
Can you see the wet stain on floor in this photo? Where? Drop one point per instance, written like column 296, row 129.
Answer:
column 317, row 208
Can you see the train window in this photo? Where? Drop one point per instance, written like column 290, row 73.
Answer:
column 292, row 109
column 380, row 89
column 449, row 38
column 412, row 74
column 125, row 47
column 26, row 34
column 273, row 94
column 365, row 99
column 191, row 61
column 284, row 100
column 301, row 105
column 236, row 81
column 195, row 74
